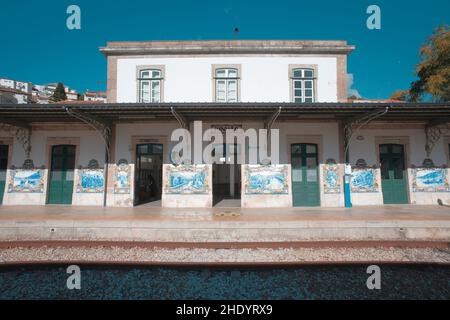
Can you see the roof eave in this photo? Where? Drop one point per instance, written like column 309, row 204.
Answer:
column 200, row 50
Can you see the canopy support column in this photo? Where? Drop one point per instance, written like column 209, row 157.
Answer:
column 101, row 127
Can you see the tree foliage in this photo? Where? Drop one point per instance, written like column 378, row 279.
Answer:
column 59, row 94
column 401, row 95
column 433, row 70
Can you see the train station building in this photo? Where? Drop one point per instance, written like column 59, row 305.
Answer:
column 120, row 153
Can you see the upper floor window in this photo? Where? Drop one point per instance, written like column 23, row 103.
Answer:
column 149, row 82
column 226, row 84
column 303, row 85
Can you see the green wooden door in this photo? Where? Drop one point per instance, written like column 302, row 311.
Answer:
column 3, row 168
column 305, row 175
column 393, row 174
column 61, row 174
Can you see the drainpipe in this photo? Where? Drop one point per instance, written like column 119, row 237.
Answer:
column 105, row 190
column 347, row 178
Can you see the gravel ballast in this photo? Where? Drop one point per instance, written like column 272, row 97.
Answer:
column 105, row 254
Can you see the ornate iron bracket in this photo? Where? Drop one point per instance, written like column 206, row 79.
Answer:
column 271, row 120
column 180, row 118
column 269, row 123
column 433, row 132
column 353, row 125
column 21, row 131
column 101, row 126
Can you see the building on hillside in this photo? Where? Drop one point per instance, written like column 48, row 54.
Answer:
column 13, row 91
column 15, row 96
column 98, row 96
column 43, row 93
column 121, row 153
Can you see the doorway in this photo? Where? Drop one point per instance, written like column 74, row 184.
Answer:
column 227, row 177
column 148, row 182
column 393, row 174
column 61, row 174
column 305, row 175
column 4, row 149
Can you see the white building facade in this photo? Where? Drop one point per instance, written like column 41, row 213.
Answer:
column 121, row 153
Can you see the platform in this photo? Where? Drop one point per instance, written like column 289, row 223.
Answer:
column 377, row 223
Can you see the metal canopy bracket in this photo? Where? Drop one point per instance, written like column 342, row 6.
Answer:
column 102, row 127
column 271, row 120
column 180, row 118
column 21, row 131
column 434, row 130
column 353, row 125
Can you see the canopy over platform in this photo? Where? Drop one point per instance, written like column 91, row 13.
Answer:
column 131, row 112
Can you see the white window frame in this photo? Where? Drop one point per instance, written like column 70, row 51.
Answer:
column 228, row 81
column 150, row 80
column 303, row 80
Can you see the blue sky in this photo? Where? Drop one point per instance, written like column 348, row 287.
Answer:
column 38, row 47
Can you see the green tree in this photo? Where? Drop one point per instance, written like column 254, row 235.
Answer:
column 433, row 70
column 59, row 94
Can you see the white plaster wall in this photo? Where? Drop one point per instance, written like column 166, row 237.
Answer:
column 157, row 130
column 263, row 78
column 290, row 132
column 366, row 148
column 91, row 147
column 302, row 132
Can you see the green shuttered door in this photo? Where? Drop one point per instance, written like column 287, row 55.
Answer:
column 393, row 174
column 305, row 175
column 61, row 174
column 3, row 168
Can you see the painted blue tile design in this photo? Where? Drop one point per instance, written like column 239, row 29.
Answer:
column 27, row 181
column 331, row 180
column 364, row 180
column 90, row 181
column 122, row 183
column 430, row 180
column 266, row 179
column 187, row 179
